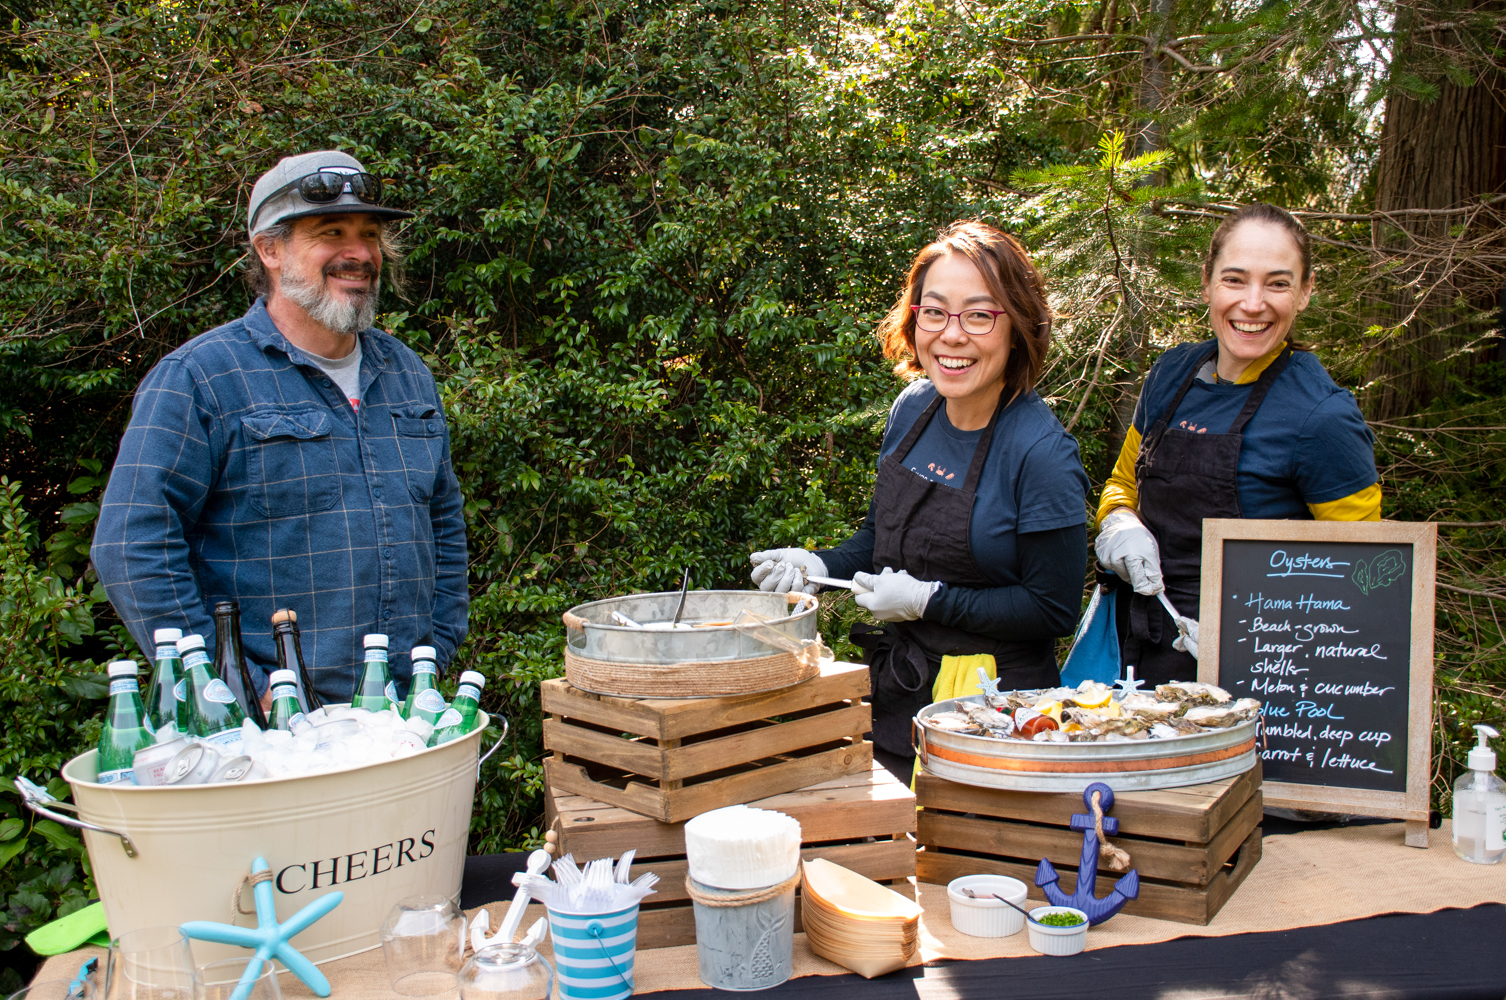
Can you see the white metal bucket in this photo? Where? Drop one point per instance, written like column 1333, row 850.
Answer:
column 376, row 833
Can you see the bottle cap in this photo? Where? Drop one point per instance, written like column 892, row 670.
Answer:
column 423, row 653
column 190, row 642
column 1482, row 757
column 122, row 668
column 282, row 677
column 165, row 635
column 471, row 677
column 374, row 639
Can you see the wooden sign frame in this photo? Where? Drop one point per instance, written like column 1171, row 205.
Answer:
column 1411, row 805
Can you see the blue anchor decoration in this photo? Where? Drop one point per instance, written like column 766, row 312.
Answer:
column 268, row 937
column 1126, row 889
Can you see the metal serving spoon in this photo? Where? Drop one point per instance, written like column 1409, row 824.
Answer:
column 970, row 894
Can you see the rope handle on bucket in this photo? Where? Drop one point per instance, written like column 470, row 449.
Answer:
column 252, row 880
column 747, row 898
column 595, row 929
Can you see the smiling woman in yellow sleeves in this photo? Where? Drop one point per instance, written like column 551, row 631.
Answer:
column 1250, row 426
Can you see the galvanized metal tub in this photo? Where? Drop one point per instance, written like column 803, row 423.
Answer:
column 1027, row 766
column 711, row 660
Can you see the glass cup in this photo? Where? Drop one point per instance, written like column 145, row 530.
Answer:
column 423, row 944
column 153, row 963
column 507, row 972
column 55, row 989
column 218, row 980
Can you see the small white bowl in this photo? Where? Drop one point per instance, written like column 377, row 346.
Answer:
column 987, row 917
column 1060, row 941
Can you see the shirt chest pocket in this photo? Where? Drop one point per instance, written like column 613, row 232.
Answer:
column 420, row 438
column 291, row 468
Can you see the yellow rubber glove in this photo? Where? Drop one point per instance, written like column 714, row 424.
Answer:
column 958, row 678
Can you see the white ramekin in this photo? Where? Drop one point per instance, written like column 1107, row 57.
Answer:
column 1058, row 941
column 987, row 917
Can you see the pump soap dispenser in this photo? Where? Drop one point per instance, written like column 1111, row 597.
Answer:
column 1480, row 806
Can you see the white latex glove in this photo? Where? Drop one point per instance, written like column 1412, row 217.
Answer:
column 1128, row 549
column 1187, row 640
column 785, row 570
column 896, row 597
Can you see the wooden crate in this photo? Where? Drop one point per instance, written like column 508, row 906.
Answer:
column 864, row 822
column 1192, row 846
column 674, row 759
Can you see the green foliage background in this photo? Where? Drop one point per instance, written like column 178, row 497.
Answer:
column 654, row 239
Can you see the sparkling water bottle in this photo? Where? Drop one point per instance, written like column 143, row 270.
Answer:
column 230, row 661
column 460, row 717
column 376, row 690
column 213, row 715
column 424, row 698
column 290, row 656
column 286, row 711
column 127, row 728
column 163, row 706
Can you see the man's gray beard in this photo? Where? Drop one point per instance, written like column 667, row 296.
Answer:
column 330, row 310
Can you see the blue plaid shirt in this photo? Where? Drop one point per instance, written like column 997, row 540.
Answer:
column 246, row 475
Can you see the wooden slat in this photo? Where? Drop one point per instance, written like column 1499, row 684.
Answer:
column 1195, row 864
column 850, row 807
column 1163, row 900
column 780, row 738
column 661, row 718
column 679, row 804
column 1192, row 814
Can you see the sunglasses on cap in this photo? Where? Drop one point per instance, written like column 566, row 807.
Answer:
column 326, row 186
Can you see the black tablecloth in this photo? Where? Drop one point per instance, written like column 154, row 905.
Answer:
column 1453, row 954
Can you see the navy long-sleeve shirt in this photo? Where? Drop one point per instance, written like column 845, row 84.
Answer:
column 246, row 474
column 1029, row 528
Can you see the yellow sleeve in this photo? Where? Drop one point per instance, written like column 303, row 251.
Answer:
column 1120, row 490
column 1362, row 506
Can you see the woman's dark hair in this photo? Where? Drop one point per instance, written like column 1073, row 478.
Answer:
column 1270, row 215
column 1012, row 280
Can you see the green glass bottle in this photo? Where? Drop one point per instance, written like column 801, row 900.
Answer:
column 376, row 690
column 127, row 727
column 460, row 717
column 163, row 706
column 213, row 715
column 423, row 690
column 286, row 711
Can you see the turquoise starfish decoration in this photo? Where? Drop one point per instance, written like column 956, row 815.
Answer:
column 268, row 937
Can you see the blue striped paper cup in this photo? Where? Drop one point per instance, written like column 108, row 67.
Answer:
column 593, row 953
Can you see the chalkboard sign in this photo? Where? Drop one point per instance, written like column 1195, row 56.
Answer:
column 1330, row 625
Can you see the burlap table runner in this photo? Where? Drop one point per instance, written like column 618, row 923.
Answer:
column 1302, row 880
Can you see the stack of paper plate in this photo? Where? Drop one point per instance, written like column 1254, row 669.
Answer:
column 855, row 922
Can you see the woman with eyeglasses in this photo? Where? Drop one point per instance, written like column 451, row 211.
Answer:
column 1249, row 425
column 976, row 539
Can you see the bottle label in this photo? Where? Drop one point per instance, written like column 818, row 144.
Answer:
column 166, row 653
column 218, row 692
column 122, row 776
column 468, row 691
column 180, row 690
column 451, row 717
column 123, row 685
column 226, row 740
column 424, row 667
column 376, row 655
column 285, row 691
column 391, row 692
column 1495, row 823
column 195, row 658
column 429, row 700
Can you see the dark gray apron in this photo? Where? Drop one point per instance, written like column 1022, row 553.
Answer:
column 925, row 527
column 1182, row 477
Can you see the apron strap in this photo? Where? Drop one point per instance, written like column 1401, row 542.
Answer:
column 1176, row 401
column 980, row 453
column 1262, row 386
column 916, row 429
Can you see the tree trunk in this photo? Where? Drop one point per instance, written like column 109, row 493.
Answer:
column 1442, row 154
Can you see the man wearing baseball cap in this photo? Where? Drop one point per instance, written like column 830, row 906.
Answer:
column 296, row 457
